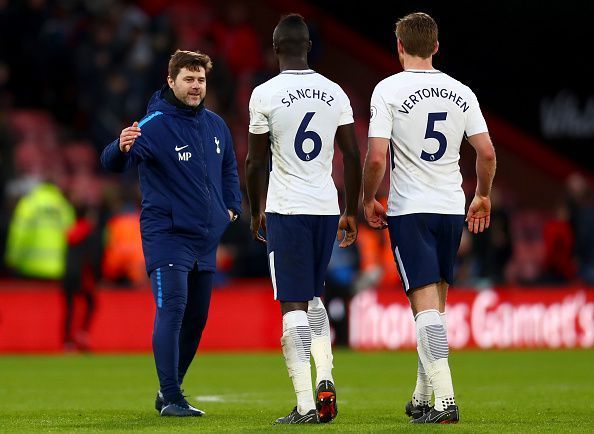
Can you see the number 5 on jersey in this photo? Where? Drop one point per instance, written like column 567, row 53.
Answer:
column 302, row 135
column 430, row 133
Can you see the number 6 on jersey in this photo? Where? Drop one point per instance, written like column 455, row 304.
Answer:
column 302, row 135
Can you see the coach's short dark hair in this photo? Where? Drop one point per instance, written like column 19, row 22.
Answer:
column 191, row 60
column 418, row 34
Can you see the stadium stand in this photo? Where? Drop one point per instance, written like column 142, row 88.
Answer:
column 120, row 53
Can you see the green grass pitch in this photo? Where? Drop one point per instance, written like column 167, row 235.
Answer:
column 503, row 392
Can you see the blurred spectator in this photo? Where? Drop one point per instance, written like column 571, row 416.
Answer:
column 192, row 21
column 576, row 188
column 36, row 245
column 111, row 107
column 492, row 249
column 559, row 265
column 339, row 289
column 237, row 41
column 465, row 267
column 377, row 262
column 376, row 259
column 83, row 259
column 525, row 267
column 580, row 201
column 123, row 259
column 249, row 256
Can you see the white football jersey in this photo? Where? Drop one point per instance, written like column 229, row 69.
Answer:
column 301, row 110
column 425, row 114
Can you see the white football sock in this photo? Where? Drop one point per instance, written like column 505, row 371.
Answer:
column 296, row 343
column 423, row 390
column 444, row 321
column 321, row 346
column 432, row 346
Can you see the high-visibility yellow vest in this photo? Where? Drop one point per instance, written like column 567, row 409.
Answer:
column 36, row 244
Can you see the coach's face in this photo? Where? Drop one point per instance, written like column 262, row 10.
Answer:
column 189, row 86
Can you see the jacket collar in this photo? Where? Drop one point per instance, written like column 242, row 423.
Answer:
column 168, row 95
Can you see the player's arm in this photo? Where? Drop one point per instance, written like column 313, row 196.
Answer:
column 256, row 164
column 373, row 173
column 347, row 227
column 479, row 211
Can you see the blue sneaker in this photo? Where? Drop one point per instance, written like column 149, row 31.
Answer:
column 180, row 408
column 160, row 401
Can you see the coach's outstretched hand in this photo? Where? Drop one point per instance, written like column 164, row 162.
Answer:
column 347, row 230
column 128, row 136
column 479, row 214
column 256, row 223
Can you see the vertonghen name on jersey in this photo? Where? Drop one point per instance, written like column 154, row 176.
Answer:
column 309, row 93
column 433, row 92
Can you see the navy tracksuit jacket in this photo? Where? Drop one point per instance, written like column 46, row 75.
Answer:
column 188, row 178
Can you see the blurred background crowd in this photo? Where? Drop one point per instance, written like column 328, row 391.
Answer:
column 73, row 73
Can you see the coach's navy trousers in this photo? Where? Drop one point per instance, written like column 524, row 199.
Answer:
column 182, row 297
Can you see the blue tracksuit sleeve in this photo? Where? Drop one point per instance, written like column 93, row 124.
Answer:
column 117, row 161
column 231, row 190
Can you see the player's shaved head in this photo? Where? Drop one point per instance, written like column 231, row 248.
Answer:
column 291, row 36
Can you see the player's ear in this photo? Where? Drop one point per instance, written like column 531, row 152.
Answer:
column 170, row 81
column 436, row 48
column 399, row 46
column 309, row 46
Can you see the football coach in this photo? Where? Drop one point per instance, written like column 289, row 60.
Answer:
column 190, row 194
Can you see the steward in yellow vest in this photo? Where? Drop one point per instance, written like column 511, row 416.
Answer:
column 36, row 245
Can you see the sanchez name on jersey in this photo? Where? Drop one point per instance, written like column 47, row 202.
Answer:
column 301, row 111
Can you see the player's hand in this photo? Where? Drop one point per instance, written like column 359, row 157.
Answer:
column 128, row 136
column 375, row 214
column 347, row 230
column 479, row 214
column 259, row 222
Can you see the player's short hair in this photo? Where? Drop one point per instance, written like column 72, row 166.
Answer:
column 418, row 34
column 191, row 60
column 291, row 35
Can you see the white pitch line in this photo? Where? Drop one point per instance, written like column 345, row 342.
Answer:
column 211, row 398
